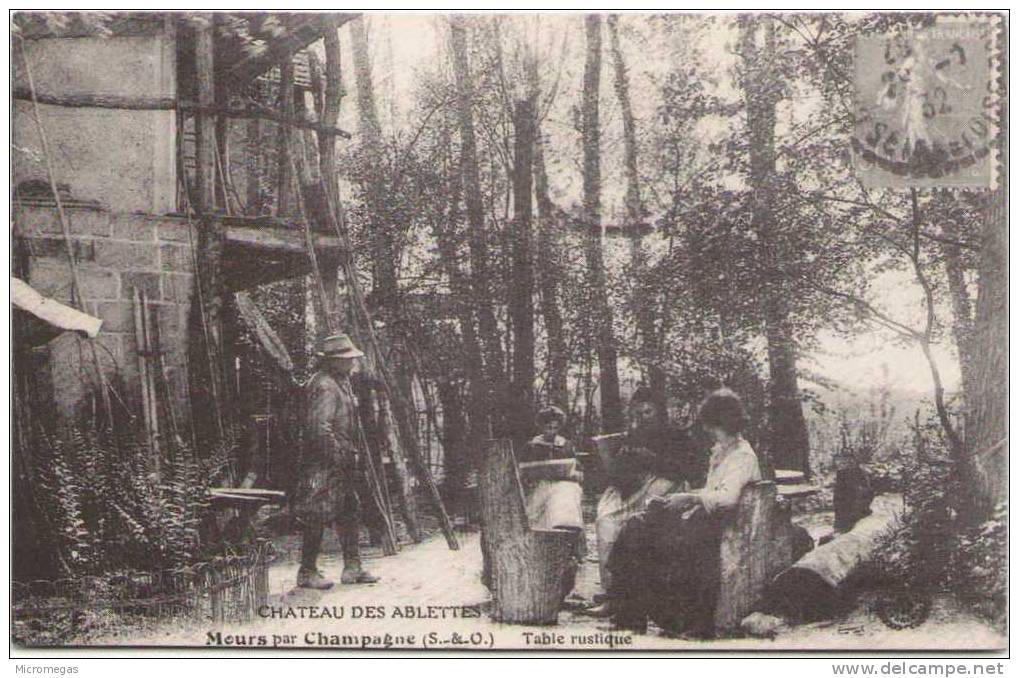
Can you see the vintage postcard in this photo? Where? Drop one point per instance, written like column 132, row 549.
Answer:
column 539, row 332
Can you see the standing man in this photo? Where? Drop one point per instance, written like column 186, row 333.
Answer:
column 329, row 467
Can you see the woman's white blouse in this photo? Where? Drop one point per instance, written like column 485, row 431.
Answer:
column 728, row 471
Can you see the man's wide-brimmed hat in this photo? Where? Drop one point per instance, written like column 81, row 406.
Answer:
column 338, row 346
column 549, row 413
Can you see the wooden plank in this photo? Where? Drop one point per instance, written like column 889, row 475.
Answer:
column 784, row 476
column 798, row 490
column 249, row 492
column 261, row 328
column 205, row 132
column 279, row 239
column 150, row 416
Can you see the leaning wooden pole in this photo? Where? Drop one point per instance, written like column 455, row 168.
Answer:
column 362, row 319
column 150, row 416
column 375, row 483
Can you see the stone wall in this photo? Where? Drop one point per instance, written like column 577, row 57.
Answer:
column 115, row 253
column 123, row 159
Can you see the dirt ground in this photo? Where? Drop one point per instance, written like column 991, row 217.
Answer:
column 432, row 598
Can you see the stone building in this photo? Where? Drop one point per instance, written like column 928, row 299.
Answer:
column 120, row 146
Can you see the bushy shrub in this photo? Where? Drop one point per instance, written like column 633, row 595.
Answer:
column 980, row 567
column 930, row 549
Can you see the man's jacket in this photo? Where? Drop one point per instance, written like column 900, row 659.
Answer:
column 330, row 421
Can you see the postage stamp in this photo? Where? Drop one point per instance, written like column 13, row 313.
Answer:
column 927, row 105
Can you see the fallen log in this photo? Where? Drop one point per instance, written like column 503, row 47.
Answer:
column 813, row 587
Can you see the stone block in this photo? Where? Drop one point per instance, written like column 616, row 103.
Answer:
column 177, row 287
column 172, row 322
column 98, row 283
column 50, row 277
column 127, row 256
column 46, row 220
column 133, row 227
column 173, row 231
column 117, row 316
column 36, row 221
column 110, row 350
column 89, row 222
column 175, row 258
column 148, row 283
column 55, row 248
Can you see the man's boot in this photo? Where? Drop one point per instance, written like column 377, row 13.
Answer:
column 313, row 579
column 353, row 573
column 603, row 610
column 308, row 576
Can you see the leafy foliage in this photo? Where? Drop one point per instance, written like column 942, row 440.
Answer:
column 107, row 510
column 930, row 549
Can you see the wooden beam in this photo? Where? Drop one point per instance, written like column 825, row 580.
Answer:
column 205, row 132
column 279, row 240
column 132, row 103
column 304, row 30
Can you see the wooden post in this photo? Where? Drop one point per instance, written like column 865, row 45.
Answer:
column 150, row 415
column 528, row 567
column 205, row 125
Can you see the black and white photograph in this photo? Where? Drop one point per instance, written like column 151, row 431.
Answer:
column 465, row 332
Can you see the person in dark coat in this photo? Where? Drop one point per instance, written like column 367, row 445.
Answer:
column 655, row 459
column 328, row 471
column 665, row 563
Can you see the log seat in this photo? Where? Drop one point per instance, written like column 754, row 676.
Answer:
column 528, row 571
column 756, row 546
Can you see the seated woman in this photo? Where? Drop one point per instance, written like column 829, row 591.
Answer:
column 548, row 470
column 653, row 461
column 665, row 564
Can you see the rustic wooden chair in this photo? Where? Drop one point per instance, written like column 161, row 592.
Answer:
column 527, row 570
column 755, row 547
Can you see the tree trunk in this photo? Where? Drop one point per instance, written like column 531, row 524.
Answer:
column 648, row 355
column 385, row 252
column 962, row 309
column 612, row 418
column 477, row 406
column 205, row 125
column 332, row 95
column 521, row 299
column 987, row 416
column 788, row 442
column 384, row 259
column 488, row 328
column 549, row 265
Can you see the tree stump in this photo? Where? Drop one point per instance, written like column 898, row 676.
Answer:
column 526, row 569
column 755, row 547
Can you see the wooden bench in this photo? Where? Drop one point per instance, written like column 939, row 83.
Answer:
column 528, row 571
column 756, row 546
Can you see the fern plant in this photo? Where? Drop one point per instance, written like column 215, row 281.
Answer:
column 109, row 511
